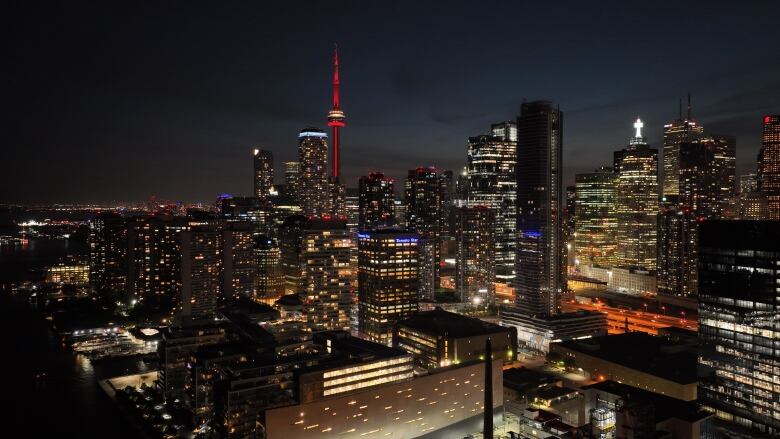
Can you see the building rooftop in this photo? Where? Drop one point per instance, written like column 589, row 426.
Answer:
column 636, row 350
column 666, row 407
column 443, row 322
column 523, row 379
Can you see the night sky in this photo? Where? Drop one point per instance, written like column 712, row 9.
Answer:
column 117, row 103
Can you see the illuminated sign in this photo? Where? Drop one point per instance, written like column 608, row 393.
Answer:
column 312, row 134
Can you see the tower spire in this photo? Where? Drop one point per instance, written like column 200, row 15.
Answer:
column 336, row 116
column 689, row 106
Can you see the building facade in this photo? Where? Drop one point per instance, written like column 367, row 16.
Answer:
column 739, row 268
column 637, row 203
column 313, row 159
column 595, row 237
column 388, row 281
column 538, row 271
column 474, row 262
column 376, row 201
column 492, row 182
column 769, row 164
column 424, row 198
column 264, row 173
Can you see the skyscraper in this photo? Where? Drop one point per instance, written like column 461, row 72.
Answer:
column 200, row 271
column 492, row 182
column 637, row 203
column 387, row 281
column 292, row 181
column 375, row 203
column 291, row 253
column 264, row 173
column 475, row 274
column 108, row 268
column 238, row 260
column 595, row 240
column 505, row 130
column 738, row 323
column 681, row 130
column 326, row 250
column 312, row 156
column 539, row 160
column 269, row 284
column 424, row 195
column 769, row 164
column 706, row 171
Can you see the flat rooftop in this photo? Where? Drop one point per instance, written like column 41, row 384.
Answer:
column 656, row 356
column 666, row 407
column 443, row 322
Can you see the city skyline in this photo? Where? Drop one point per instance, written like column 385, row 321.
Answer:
column 135, row 109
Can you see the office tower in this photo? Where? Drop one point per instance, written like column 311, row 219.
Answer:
column 376, row 201
column 447, row 185
column 264, row 173
column 505, row 130
column 637, row 203
column 314, row 186
column 326, row 250
column 769, row 164
column 254, row 210
column 336, row 120
column 291, row 253
column 292, row 181
column 595, row 239
column 752, row 206
column 238, row 260
column 475, row 261
column 681, row 130
column 569, row 221
column 352, row 203
column 748, row 183
column 108, row 257
column 738, row 323
column 493, row 183
column 388, row 277
column 539, row 162
column 706, row 184
column 423, row 194
column 269, row 284
column 200, row 271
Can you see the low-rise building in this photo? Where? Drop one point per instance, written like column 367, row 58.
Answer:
column 439, row 338
column 537, row 332
column 627, row 280
column 655, row 364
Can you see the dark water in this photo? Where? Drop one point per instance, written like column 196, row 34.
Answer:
column 68, row 402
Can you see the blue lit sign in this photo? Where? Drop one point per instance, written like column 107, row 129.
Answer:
column 312, row 134
column 363, row 235
column 405, row 240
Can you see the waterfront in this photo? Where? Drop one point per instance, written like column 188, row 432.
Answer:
column 51, row 392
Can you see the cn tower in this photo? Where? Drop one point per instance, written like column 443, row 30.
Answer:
column 336, row 117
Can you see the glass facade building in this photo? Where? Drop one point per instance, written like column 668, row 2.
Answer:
column 739, row 323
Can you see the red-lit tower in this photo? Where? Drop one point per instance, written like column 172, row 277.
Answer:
column 336, row 117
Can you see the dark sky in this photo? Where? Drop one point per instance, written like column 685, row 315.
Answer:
column 122, row 100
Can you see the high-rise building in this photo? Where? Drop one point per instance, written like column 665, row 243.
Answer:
column 269, row 284
column 681, row 130
column 637, row 203
column 238, row 260
column 292, row 181
column 424, row 215
column 748, row 183
column 707, row 177
column 326, row 250
column 492, row 182
column 388, row 277
column 505, row 130
column 595, row 238
column 314, row 186
column 447, row 185
column 538, row 273
column 264, row 173
column 291, row 254
column 475, row 259
column 738, row 323
column 108, row 268
column 769, row 164
column 375, row 204
column 200, row 271
column 249, row 209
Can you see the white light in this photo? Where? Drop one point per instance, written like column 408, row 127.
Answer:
column 638, row 125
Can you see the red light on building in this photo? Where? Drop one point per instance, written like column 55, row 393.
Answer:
column 767, row 119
